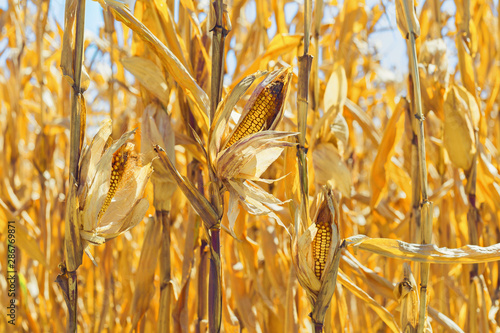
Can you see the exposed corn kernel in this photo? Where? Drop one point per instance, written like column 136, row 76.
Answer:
column 120, row 163
column 265, row 108
column 322, row 240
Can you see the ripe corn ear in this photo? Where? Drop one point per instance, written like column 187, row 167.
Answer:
column 264, row 107
column 122, row 159
column 322, row 240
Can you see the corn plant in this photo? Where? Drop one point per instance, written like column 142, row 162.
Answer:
column 253, row 166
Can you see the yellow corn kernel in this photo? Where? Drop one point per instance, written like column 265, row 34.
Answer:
column 267, row 104
column 122, row 159
column 322, row 240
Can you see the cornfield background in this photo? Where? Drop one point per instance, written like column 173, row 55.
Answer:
column 410, row 161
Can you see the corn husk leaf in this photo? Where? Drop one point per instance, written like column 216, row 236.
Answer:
column 251, row 156
column 224, row 110
column 407, row 295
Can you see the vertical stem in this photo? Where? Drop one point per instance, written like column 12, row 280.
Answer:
column 305, row 62
column 202, row 286
column 220, row 31
column 318, row 14
column 426, row 206
column 215, row 282
column 77, row 129
column 73, row 301
column 219, row 36
column 109, row 29
column 165, row 273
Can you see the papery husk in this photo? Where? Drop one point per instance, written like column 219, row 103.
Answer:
column 127, row 208
column 223, row 113
column 407, row 295
column 303, row 255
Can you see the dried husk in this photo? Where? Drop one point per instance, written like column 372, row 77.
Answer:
column 127, row 207
column 303, row 252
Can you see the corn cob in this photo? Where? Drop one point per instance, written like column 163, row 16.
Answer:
column 264, row 107
column 322, row 240
column 122, row 160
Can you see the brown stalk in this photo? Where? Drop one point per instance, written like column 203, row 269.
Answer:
column 318, row 15
column 426, row 205
column 165, row 272
column 473, row 217
column 77, row 130
column 220, row 31
column 305, row 62
column 202, row 286
column 415, row 218
column 110, row 29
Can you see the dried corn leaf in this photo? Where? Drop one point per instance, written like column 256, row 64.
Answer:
column 392, row 135
column 374, row 305
column 197, row 200
column 149, row 75
column 428, row 253
column 407, row 18
column 28, row 244
column 458, row 136
column 329, row 169
column 335, row 92
column 168, row 59
column 280, row 45
column 144, row 280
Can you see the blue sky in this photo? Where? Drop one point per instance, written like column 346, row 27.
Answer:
column 390, row 46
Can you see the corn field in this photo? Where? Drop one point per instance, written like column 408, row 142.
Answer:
column 250, row 166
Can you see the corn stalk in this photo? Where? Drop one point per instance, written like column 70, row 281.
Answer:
column 220, row 31
column 305, row 62
column 412, row 30
column 68, row 280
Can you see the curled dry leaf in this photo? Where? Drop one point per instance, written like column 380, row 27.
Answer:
column 407, row 296
column 428, row 253
column 174, row 67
